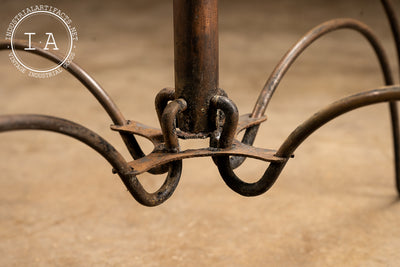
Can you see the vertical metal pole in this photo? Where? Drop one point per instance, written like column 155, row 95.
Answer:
column 196, row 61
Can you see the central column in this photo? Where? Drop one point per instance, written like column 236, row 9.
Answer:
column 196, row 61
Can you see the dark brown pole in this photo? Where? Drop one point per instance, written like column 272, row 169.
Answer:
column 196, row 61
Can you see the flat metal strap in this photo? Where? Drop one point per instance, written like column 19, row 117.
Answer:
column 155, row 135
column 161, row 157
column 245, row 121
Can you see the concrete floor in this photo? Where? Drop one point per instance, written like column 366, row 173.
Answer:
column 334, row 205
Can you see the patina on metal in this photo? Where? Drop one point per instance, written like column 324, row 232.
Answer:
column 197, row 108
column 196, row 61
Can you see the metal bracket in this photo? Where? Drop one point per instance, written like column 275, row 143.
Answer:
column 160, row 155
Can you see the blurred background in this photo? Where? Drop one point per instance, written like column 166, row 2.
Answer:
column 334, row 204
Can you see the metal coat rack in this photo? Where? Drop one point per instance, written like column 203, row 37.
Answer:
column 198, row 108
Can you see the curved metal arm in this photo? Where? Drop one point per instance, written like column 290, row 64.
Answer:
column 299, row 135
column 334, row 110
column 394, row 25
column 90, row 138
column 313, row 35
column 97, row 91
column 290, row 57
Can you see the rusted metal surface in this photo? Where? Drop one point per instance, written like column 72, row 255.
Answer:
column 81, row 133
column 196, row 61
column 197, row 108
column 395, row 27
column 93, row 140
column 297, row 49
column 155, row 135
column 159, row 157
column 224, row 139
column 162, row 99
column 90, row 83
column 246, row 121
column 336, row 109
column 167, row 123
column 305, row 41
